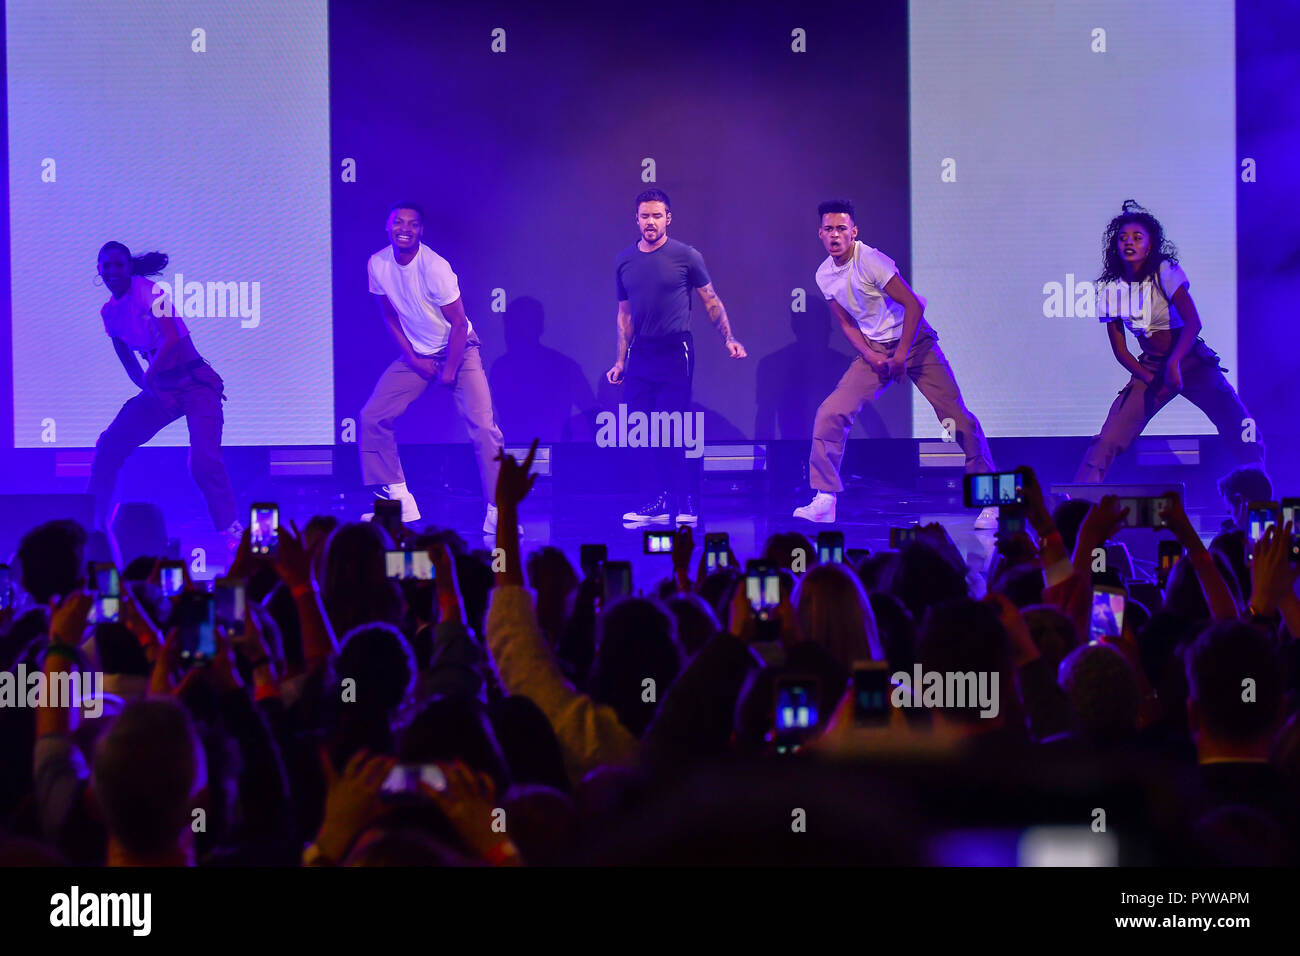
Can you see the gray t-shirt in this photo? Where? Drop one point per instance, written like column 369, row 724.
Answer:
column 657, row 286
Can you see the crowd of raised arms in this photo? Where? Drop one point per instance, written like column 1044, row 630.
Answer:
column 506, row 713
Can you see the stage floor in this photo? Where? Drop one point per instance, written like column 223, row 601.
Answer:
column 865, row 513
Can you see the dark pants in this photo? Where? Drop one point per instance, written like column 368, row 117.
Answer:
column 1203, row 385
column 658, row 379
column 193, row 390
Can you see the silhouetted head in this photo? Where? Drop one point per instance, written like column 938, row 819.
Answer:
column 636, row 641
column 834, row 612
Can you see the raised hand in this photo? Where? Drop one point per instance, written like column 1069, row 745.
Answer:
column 1175, row 518
column 1103, row 520
column 351, row 800
column 514, row 481
column 292, row 562
column 1272, row 576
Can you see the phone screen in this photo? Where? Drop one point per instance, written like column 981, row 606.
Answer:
column 1259, row 520
column 830, row 547
column 228, row 598
column 763, row 588
column 618, row 579
column 1107, row 614
column 1291, row 513
column 198, row 628
column 107, row 607
column 715, row 551
column 993, row 489
column 658, row 542
column 104, row 579
column 395, row 564
column 1169, row 554
column 171, row 578
column 871, row 690
column 405, row 779
column 795, row 715
column 264, row 529
column 901, row 536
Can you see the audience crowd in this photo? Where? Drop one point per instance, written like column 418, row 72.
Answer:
column 504, row 713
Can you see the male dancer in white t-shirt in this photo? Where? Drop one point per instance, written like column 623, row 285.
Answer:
column 883, row 320
column 421, row 305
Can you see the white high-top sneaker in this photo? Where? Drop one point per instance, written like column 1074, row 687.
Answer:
column 410, row 510
column 821, row 509
column 987, row 520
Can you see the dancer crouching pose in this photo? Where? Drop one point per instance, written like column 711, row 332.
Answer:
column 883, row 320
column 177, row 382
column 1142, row 286
column 419, row 299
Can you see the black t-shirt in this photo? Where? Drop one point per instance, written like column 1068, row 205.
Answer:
column 658, row 285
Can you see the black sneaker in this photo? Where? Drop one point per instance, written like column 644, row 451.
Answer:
column 687, row 514
column 653, row 511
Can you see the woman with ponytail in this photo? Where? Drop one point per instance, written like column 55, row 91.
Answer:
column 1141, row 286
column 176, row 381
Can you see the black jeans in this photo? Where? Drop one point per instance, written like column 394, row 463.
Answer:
column 658, row 379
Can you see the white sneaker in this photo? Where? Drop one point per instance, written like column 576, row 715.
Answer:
column 410, row 510
column 987, row 520
column 821, row 509
column 490, row 522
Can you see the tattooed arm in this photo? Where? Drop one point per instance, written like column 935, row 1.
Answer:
column 718, row 316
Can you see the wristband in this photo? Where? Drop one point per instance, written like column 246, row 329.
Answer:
column 63, row 650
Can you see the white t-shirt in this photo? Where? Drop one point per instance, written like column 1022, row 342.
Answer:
column 859, row 286
column 132, row 319
column 1140, row 305
column 418, row 291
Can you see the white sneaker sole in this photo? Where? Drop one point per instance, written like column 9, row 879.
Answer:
column 815, row 517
